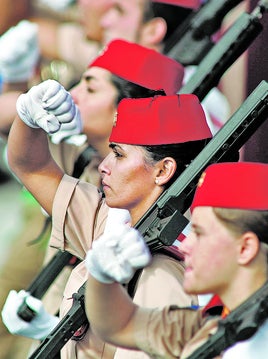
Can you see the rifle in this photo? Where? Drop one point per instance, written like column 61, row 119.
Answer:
column 193, row 38
column 232, row 44
column 164, row 220
column 241, row 324
column 42, row 282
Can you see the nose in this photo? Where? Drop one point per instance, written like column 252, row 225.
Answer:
column 74, row 94
column 186, row 244
column 104, row 167
column 106, row 20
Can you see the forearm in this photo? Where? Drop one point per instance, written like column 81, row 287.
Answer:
column 111, row 312
column 30, row 160
column 21, row 86
column 11, row 15
column 27, row 148
column 48, row 37
column 8, row 112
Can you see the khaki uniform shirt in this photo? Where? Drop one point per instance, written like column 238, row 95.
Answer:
column 173, row 332
column 79, row 216
column 66, row 155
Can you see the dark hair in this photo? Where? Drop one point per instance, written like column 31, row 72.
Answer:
column 127, row 89
column 173, row 15
column 183, row 153
column 239, row 221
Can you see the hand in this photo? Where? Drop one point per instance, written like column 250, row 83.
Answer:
column 19, row 52
column 116, row 256
column 116, row 216
column 49, row 106
column 70, row 133
column 42, row 324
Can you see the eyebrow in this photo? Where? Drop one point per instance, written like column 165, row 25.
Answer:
column 88, row 78
column 113, row 145
column 195, row 227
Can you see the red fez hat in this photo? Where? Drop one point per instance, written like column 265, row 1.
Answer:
column 143, row 66
column 160, row 120
column 192, row 4
column 240, row 185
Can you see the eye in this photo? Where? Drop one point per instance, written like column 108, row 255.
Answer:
column 118, row 8
column 90, row 90
column 117, row 153
column 197, row 234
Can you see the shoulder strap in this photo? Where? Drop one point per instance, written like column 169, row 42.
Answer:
column 169, row 251
column 82, row 161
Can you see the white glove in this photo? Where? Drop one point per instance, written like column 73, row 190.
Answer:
column 69, row 134
column 59, row 5
column 115, row 217
column 116, row 256
column 42, row 324
column 48, row 106
column 19, row 52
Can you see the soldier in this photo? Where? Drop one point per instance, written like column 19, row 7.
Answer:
column 151, row 143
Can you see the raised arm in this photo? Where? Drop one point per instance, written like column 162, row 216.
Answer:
column 42, row 110
column 8, row 112
column 113, row 259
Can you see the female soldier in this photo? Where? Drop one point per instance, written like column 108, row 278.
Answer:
column 152, row 141
column 108, row 79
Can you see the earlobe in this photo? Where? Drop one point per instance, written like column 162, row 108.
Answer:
column 153, row 32
column 167, row 168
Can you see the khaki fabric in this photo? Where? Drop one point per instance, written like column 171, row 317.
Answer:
column 173, row 332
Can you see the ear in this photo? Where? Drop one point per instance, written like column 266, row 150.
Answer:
column 249, row 247
column 153, row 32
column 165, row 170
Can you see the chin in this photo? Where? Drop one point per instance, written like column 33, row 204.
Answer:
column 191, row 288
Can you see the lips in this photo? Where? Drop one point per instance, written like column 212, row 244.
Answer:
column 188, row 268
column 104, row 186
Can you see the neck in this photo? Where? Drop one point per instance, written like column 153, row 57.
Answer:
column 242, row 289
column 138, row 212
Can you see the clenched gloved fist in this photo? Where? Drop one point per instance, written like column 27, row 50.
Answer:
column 115, row 256
column 19, row 52
column 49, row 106
column 69, row 134
column 38, row 328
